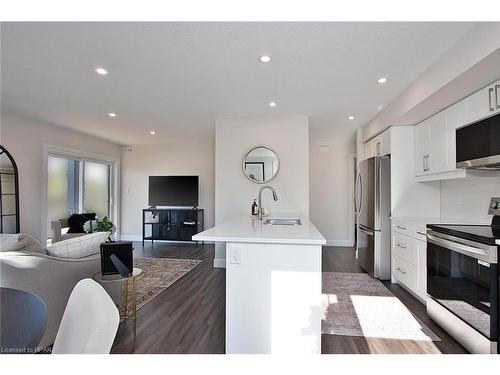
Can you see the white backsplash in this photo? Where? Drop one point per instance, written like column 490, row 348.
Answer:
column 468, row 198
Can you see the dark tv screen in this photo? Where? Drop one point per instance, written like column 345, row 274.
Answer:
column 173, row 191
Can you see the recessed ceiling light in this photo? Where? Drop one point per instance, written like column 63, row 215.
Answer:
column 382, row 80
column 272, row 104
column 351, row 117
column 112, row 114
column 265, row 59
column 152, row 132
column 380, row 107
column 101, row 71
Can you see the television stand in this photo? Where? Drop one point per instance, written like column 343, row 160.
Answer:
column 172, row 224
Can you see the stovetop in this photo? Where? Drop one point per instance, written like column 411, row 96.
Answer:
column 487, row 234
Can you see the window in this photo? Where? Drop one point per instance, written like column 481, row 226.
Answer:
column 77, row 185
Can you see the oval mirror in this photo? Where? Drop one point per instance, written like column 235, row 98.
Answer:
column 260, row 164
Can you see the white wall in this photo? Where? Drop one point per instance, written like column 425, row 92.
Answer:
column 468, row 198
column 331, row 184
column 25, row 139
column 234, row 193
column 177, row 157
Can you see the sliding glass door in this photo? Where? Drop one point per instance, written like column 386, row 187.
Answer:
column 96, row 188
column 77, row 186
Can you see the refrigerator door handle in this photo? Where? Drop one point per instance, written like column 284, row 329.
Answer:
column 361, row 188
column 370, row 233
column 356, row 194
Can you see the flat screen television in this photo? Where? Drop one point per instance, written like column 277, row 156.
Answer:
column 173, row 191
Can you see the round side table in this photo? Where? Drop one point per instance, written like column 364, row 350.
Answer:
column 123, row 308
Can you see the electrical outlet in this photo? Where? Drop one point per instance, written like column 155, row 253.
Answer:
column 235, row 256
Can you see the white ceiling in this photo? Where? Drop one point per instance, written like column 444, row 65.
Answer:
column 177, row 78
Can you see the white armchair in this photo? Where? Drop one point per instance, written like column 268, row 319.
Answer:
column 58, row 234
column 52, row 278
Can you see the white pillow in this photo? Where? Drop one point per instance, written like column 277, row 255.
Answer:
column 31, row 244
column 78, row 247
column 10, row 242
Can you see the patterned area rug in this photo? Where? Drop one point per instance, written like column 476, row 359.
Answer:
column 355, row 304
column 157, row 275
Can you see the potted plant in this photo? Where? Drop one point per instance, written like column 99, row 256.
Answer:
column 100, row 225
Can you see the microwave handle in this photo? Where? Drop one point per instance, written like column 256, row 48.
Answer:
column 497, row 99
column 490, row 94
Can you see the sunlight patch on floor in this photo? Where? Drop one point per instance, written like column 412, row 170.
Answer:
column 387, row 317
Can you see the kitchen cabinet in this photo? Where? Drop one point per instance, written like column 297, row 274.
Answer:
column 379, row 146
column 409, row 258
column 431, row 146
column 435, row 145
column 483, row 103
column 435, row 142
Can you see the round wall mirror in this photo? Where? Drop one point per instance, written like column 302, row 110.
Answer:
column 260, row 164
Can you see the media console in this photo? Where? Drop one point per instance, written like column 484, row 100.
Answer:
column 172, row 224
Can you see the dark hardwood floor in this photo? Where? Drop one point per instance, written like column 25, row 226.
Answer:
column 342, row 259
column 189, row 316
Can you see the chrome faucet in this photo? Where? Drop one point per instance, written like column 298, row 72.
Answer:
column 259, row 200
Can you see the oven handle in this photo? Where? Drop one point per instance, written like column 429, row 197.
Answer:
column 458, row 247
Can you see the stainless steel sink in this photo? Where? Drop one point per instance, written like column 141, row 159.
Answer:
column 271, row 221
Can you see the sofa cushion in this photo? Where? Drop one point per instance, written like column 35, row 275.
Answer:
column 79, row 247
column 31, row 244
column 10, row 242
column 76, row 222
column 20, row 242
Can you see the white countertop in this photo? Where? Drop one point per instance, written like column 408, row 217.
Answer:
column 250, row 230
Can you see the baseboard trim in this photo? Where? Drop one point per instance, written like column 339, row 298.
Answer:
column 345, row 243
column 219, row 263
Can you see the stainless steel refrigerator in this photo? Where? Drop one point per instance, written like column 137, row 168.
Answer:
column 372, row 201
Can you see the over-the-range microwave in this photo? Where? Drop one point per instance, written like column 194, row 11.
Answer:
column 478, row 144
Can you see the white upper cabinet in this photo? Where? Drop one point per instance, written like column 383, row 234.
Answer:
column 422, row 148
column 483, row 103
column 435, row 142
column 379, row 146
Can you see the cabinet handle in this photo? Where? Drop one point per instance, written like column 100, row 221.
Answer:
column 403, row 272
column 427, row 167
column 490, row 91
column 400, row 227
column 401, row 246
column 497, row 102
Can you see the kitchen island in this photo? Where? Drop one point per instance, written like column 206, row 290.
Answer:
column 273, row 285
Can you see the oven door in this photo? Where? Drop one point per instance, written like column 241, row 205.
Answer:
column 463, row 278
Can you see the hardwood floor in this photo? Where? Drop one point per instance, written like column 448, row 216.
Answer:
column 189, row 316
column 342, row 259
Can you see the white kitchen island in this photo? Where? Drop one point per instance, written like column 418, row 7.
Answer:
column 273, row 285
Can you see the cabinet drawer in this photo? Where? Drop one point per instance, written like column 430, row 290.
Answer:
column 405, row 247
column 406, row 229
column 405, row 273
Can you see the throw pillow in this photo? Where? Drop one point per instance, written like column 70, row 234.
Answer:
column 78, row 247
column 76, row 222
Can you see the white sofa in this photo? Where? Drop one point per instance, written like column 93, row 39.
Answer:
column 25, row 265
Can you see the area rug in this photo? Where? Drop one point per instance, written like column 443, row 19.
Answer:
column 355, row 304
column 157, row 275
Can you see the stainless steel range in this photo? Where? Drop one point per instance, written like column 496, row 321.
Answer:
column 463, row 281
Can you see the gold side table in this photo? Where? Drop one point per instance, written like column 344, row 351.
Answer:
column 123, row 308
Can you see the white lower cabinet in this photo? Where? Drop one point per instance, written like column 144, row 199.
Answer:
column 409, row 259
